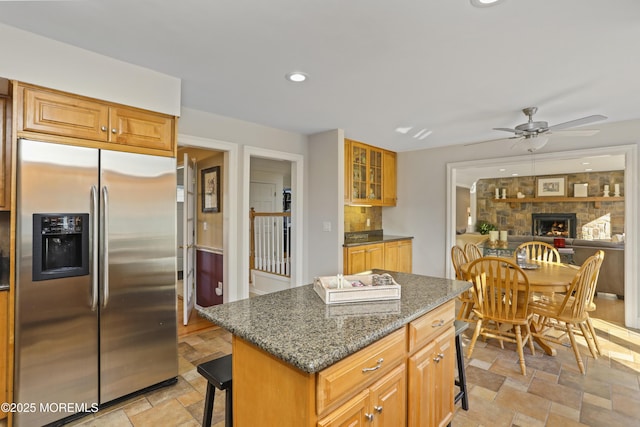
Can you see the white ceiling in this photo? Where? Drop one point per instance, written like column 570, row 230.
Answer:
column 373, row 65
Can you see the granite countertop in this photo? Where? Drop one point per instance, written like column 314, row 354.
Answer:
column 296, row 326
column 374, row 239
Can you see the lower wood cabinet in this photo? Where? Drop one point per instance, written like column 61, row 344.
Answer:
column 394, row 256
column 431, row 382
column 4, row 346
column 403, row 379
column 398, row 256
column 383, row 404
column 363, row 258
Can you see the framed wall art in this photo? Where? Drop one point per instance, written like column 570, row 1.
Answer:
column 210, row 182
column 551, row 186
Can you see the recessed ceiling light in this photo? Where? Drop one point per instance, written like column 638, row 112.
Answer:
column 485, row 3
column 404, row 130
column 586, row 163
column 502, row 169
column 422, row 134
column 514, row 174
column 296, row 77
column 588, row 169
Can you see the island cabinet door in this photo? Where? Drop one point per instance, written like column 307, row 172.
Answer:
column 431, row 381
column 353, row 413
column 389, row 399
column 383, row 404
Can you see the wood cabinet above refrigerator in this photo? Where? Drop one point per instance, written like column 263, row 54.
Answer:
column 370, row 175
column 79, row 120
column 5, row 153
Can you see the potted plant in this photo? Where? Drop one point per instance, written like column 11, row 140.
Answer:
column 484, row 227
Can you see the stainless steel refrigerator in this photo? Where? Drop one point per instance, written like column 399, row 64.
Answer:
column 95, row 278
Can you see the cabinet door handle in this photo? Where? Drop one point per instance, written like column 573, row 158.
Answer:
column 378, row 409
column 375, row 368
column 114, row 130
column 437, row 323
column 369, row 417
column 438, row 358
column 103, row 128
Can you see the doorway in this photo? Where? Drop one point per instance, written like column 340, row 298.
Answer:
column 269, row 199
column 459, row 169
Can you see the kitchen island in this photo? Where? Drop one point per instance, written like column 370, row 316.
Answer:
column 298, row 362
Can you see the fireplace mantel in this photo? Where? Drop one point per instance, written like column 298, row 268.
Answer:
column 553, row 199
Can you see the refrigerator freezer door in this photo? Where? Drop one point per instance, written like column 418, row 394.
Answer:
column 56, row 329
column 138, row 337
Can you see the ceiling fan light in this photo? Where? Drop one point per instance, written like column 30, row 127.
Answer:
column 534, row 143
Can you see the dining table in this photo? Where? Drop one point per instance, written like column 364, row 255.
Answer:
column 545, row 278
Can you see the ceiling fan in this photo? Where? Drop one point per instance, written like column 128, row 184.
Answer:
column 531, row 130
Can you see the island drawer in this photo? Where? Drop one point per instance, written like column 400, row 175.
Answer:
column 347, row 377
column 426, row 328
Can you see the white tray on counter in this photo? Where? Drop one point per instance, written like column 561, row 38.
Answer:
column 328, row 289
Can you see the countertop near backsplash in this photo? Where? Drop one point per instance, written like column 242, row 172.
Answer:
column 373, row 236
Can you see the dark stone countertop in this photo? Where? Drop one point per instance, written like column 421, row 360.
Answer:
column 375, row 239
column 296, row 326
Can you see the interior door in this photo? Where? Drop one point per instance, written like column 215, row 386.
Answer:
column 189, row 235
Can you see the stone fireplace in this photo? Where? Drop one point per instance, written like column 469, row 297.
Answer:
column 554, row 224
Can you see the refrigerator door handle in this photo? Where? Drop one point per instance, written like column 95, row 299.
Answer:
column 105, row 246
column 94, row 248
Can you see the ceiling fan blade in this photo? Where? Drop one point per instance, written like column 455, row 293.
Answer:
column 578, row 122
column 586, row 132
column 492, row 140
column 506, row 130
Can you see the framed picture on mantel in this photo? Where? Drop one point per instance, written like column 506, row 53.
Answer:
column 551, row 186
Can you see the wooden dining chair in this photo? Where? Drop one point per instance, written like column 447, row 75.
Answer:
column 591, row 306
column 458, row 258
column 570, row 314
column 501, row 304
column 472, row 251
column 539, row 251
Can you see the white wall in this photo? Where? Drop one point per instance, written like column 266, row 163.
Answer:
column 326, row 203
column 34, row 59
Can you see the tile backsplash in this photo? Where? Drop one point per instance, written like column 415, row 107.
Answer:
column 355, row 218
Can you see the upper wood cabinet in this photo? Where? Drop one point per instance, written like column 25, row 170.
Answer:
column 389, row 193
column 50, row 112
column 370, row 175
column 5, row 153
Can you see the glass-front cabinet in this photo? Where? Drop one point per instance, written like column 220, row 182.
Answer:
column 364, row 174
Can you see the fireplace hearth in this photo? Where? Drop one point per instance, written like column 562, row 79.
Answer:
column 554, row 225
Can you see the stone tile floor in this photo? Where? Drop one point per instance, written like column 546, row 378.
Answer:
column 553, row 393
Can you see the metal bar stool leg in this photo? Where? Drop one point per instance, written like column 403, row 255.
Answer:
column 228, row 409
column 208, row 405
column 461, row 382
